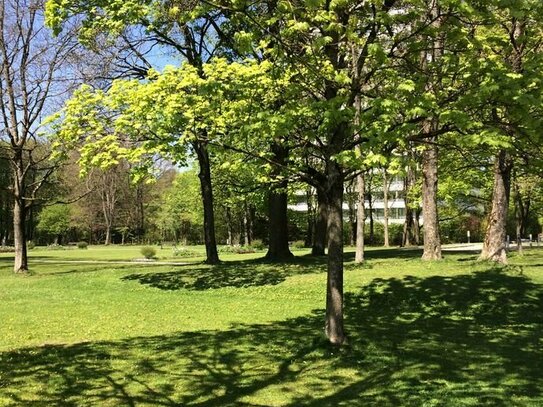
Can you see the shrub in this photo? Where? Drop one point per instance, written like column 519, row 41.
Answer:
column 236, row 249
column 82, row 245
column 7, row 249
column 148, row 252
column 30, row 245
column 258, row 244
column 298, row 244
column 55, row 246
column 185, row 252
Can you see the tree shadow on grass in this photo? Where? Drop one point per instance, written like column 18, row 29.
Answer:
column 238, row 274
column 466, row 340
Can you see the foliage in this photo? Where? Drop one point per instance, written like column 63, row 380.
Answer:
column 179, row 214
column 455, row 230
column 395, row 232
column 184, row 252
column 148, row 252
column 236, row 249
column 54, row 219
column 298, row 244
column 30, row 245
column 55, row 246
column 258, row 244
column 82, row 245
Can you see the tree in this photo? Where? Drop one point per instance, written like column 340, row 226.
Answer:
column 513, row 87
column 55, row 220
column 193, row 33
column 30, row 80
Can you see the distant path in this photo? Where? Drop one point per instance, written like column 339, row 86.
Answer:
column 462, row 247
column 123, row 262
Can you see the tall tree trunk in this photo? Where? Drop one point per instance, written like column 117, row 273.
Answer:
column 19, row 236
column 352, row 214
column 432, row 241
column 278, row 249
column 321, row 224
column 494, row 243
column 140, row 212
column 19, row 214
column 334, row 290
column 371, row 237
column 310, row 218
column 247, row 235
column 229, row 227
column 108, row 235
column 360, row 219
column 410, row 230
column 519, row 218
column 385, row 209
column 202, row 153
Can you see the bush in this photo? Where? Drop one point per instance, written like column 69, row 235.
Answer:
column 148, row 252
column 7, row 249
column 82, row 245
column 55, row 246
column 298, row 244
column 258, row 244
column 236, row 249
column 185, row 252
column 30, row 245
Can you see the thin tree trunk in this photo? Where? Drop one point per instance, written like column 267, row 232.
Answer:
column 321, row 224
column 360, row 219
column 212, row 255
column 19, row 237
column 246, row 225
column 385, row 209
column 334, row 290
column 432, row 241
column 310, row 218
column 352, row 216
column 229, row 227
column 19, row 215
column 371, row 238
column 278, row 249
column 519, row 210
column 416, row 226
column 410, row 230
column 494, row 243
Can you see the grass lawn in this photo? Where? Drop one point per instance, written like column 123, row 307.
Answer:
column 249, row 333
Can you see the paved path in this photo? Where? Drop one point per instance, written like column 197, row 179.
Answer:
column 126, row 262
column 462, row 247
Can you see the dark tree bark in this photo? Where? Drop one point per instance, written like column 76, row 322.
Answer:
column 310, row 218
column 334, row 289
column 522, row 212
column 202, row 153
column 494, row 243
column 278, row 249
column 385, row 209
column 351, row 199
column 229, row 227
column 19, row 216
column 411, row 226
column 360, row 219
column 321, row 224
column 371, row 237
column 247, row 225
column 432, row 241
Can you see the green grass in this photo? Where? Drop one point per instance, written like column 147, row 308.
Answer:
column 249, row 333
